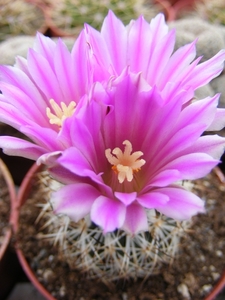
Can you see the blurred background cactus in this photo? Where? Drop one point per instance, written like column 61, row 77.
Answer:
column 212, row 11
column 20, row 17
column 70, row 15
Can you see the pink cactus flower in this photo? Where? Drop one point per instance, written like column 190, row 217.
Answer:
column 130, row 149
column 149, row 49
column 115, row 121
column 40, row 92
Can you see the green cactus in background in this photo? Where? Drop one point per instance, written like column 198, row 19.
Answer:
column 213, row 11
column 70, row 15
column 19, row 17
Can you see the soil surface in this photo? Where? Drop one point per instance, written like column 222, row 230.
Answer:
column 194, row 272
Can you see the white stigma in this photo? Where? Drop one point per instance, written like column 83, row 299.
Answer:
column 60, row 113
column 125, row 163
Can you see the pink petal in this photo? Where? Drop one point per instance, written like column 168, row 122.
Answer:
column 165, row 177
column 206, row 71
column 49, row 159
column 158, row 27
column 212, row 145
column 108, row 213
column 75, row 161
column 16, row 77
column 139, row 45
column 74, row 200
column 136, row 219
column 178, row 63
column 182, row 204
column 98, row 55
column 152, row 199
column 9, row 115
column 64, row 70
column 115, row 35
column 160, row 58
column 177, row 144
column 45, row 46
column 20, row 101
column 126, row 198
column 219, row 120
column 21, row 64
column 18, row 147
column 44, row 76
column 200, row 112
column 45, row 137
column 82, row 73
column 193, row 166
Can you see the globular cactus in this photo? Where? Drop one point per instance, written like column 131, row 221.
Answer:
column 113, row 255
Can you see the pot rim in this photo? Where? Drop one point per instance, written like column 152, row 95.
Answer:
column 12, row 195
column 21, row 197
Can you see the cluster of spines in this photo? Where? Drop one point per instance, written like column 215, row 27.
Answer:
column 114, row 255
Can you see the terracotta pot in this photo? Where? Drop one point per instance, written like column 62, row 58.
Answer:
column 9, row 266
column 172, row 8
column 23, row 194
column 167, row 9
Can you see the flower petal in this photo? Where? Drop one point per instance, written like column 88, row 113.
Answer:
column 212, row 145
column 165, row 177
column 182, row 204
column 126, row 198
column 74, row 200
column 193, row 166
column 152, row 199
column 136, row 219
column 18, row 147
column 44, row 77
column 108, row 213
column 75, row 161
column 206, row 71
column 116, row 43
column 219, row 120
column 45, row 46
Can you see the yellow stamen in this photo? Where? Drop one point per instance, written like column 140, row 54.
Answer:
column 125, row 163
column 60, row 113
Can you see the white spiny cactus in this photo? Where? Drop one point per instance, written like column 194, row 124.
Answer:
column 113, row 255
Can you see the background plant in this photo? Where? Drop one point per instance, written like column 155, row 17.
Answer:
column 213, row 11
column 19, row 17
column 70, row 15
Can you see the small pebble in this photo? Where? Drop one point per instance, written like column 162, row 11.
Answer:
column 124, row 296
column 206, row 289
column 212, row 268
column 48, row 275
column 51, row 258
column 219, row 253
column 183, row 290
column 215, row 275
column 62, row 291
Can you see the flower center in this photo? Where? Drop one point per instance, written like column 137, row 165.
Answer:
column 59, row 114
column 125, row 163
